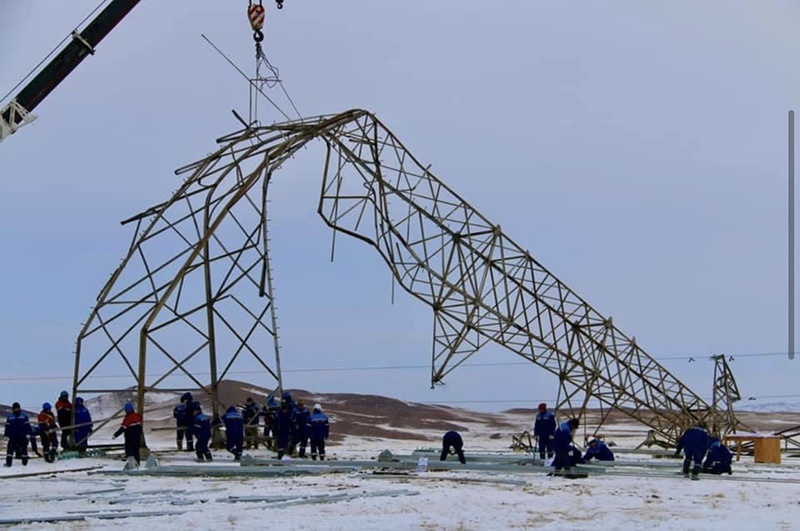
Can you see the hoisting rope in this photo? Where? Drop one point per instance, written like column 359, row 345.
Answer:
column 256, row 15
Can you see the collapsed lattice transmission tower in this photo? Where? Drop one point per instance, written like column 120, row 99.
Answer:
column 726, row 393
column 193, row 296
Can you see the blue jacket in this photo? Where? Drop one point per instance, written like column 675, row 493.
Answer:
column 601, row 452
column 562, row 438
column 202, row 427
column 694, row 441
column 270, row 411
column 545, row 424
column 183, row 412
column 284, row 422
column 17, row 426
column 719, row 455
column 318, row 426
column 179, row 414
column 83, row 422
column 234, row 426
column 301, row 417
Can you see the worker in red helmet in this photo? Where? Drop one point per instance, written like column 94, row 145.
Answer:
column 544, row 428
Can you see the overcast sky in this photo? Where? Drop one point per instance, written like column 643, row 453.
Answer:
column 637, row 149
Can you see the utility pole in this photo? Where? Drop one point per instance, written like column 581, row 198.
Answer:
column 791, row 235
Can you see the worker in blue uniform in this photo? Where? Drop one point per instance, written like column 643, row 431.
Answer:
column 544, row 428
column 597, row 449
column 694, row 442
column 234, row 432
column 17, row 431
column 284, row 422
column 318, row 431
column 301, row 416
column 562, row 444
column 83, row 426
column 184, row 421
column 719, row 458
column 452, row 443
column 201, row 429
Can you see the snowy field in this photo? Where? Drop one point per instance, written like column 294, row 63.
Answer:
column 648, row 494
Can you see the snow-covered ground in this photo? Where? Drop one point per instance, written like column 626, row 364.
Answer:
column 652, row 497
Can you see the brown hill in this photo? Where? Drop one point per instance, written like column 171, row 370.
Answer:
column 376, row 417
column 373, row 416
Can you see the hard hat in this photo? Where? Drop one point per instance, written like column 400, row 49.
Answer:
column 317, row 407
column 63, row 394
column 591, row 440
column 46, row 406
column 129, row 407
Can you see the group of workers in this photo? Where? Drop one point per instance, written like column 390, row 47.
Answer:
column 555, row 440
column 288, row 427
column 703, row 452
column 21, row 433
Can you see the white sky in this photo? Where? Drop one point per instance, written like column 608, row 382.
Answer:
column 637, row 150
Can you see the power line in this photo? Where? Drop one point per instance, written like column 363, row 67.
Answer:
column 689, row 358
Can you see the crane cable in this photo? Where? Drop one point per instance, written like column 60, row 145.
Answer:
column 54, row 50
column 256, row 15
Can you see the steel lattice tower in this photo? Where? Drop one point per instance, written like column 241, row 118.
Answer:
column 203, row 306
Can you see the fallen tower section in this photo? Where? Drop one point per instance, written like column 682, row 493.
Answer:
column 193, row 295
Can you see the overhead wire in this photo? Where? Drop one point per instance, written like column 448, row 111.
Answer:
column 245, row 76
column 420, row 367
column 394, row 367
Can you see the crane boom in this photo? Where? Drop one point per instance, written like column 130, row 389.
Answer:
column 19, row 111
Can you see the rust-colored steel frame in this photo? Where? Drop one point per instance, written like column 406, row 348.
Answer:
column 482, row 286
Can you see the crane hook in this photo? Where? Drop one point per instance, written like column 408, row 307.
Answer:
column 256, row 13
column 280, row 3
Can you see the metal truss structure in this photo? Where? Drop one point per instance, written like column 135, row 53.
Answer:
column 725, row 394
column 193, row 293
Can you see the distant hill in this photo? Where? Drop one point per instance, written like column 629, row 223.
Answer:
column 379, row 417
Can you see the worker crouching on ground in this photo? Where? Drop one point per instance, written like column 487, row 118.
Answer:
column 562, row 444
column 719, row 459
column 17, row 431
column 132, row 428
column 694, row 442
column 453, row 444
column 544, row 427
column 201, row 429
column 318, row 431
column 234, row 432
column 597, row 449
